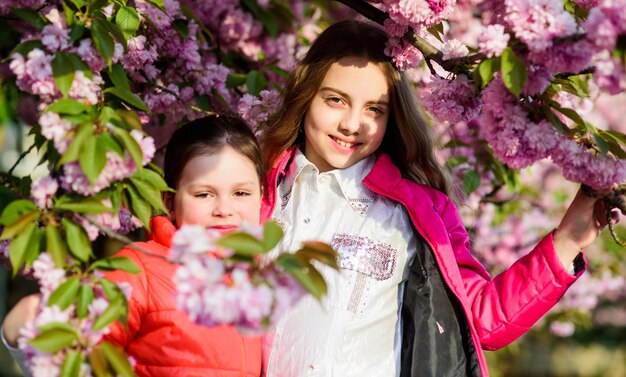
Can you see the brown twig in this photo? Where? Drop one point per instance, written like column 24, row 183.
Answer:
column 125, row 240
column 189, row 105
column 613, row 199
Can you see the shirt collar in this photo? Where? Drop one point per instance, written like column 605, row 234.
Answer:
column 350, row 179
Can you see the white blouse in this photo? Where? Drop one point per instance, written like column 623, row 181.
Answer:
column 355, row 330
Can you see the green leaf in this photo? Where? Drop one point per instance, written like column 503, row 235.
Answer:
column 85, row 298
column 92, row 159
column 102, row 41
column 131, row 145
column 139, row 206
column 437, row 31
column 118, row 359
column 471, row 181
column 319, row 251
column 72, row 364
column 111, row 290
column 94, row 5
column 68, row 106
column 255, row 81
column 18, row 226
column 272, row 234
column 242, row 244
column 113, row 30
column 181, row 27
column 77, row 30
column 157, row 3
column 118, row 76
column 307, row 276
column 602, row 145
column 234, row 80
column 73, row 151
column 26, row 47
column 570, row 113
column 115, row 310
column 15, row 210
column 116, row 263
column 514, row 72
column 56, row 245
column 77, row 240
column 54, row 340
column 279, row 71
column 65, row 294
column 613, row 144
column 128, row 97
column 99, row 364
column 487, row 69
column 81, row 205
column 149, row 193
column 130, row 118
column 127, row 20
column 152, row 177
column 63, row 72
column 31, row 16
column 19, row 247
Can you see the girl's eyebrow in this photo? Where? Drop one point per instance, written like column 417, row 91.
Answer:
column 344, row 94
column 196, row 186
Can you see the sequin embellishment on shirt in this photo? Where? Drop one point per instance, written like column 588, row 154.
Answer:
column 365, row 255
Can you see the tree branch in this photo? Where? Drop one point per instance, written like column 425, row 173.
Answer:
column 118, row 237
column 429, row 51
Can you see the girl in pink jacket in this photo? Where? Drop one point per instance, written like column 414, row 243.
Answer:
column 351, row 163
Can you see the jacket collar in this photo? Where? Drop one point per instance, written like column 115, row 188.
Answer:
column 162, row 230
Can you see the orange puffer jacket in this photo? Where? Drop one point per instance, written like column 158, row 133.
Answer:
column 162, row 339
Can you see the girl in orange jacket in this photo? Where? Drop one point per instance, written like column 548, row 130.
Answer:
column 214, row 163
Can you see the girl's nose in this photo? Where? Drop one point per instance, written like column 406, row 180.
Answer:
column 223, row 208
column 351, row 123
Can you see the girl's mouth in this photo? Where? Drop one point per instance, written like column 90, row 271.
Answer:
column 344, row 144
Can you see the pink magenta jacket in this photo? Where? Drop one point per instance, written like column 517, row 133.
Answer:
column 498, row 310
column 162, row 339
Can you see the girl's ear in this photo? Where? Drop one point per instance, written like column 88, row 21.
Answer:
column 168, row 201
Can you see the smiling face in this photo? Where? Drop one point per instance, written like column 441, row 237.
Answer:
column 218, row 190
column 348, row 116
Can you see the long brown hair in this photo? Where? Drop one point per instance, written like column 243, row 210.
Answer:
column 408, row 140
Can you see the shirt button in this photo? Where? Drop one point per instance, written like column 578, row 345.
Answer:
column 307, row 220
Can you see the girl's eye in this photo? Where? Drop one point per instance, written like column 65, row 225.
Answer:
column 242, row 193
column 334, row 100
column 375, row 110
column 201, row 195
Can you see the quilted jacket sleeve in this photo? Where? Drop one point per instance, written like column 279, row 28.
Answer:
column 505, row 307
column 137, row 304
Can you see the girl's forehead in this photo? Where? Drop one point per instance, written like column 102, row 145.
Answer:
column 357, row 76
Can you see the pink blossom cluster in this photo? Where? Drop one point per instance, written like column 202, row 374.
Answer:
column 606, row 23
column 42, row 191
column 214, row 290
column 42, row 363
column 121, row 223
column 418, row 13
column 403, row 54
column 257, row 110
column 493, row 40
column 116, row 168
column 499, row 245
column 515, row 139
column 451, row 100
column 538, row 22
column 519, row 142
column 34, row 74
